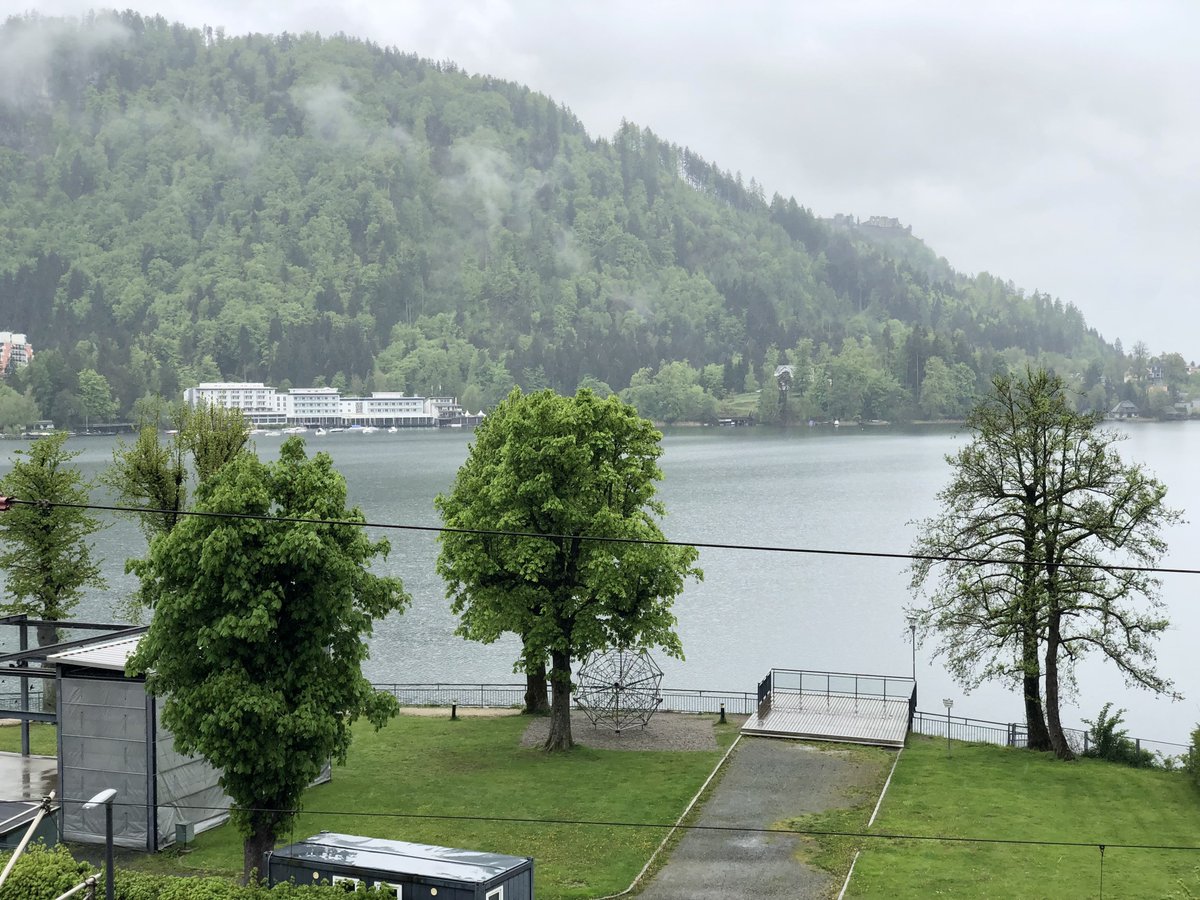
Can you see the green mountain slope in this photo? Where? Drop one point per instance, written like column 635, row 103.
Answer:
column 178, row 206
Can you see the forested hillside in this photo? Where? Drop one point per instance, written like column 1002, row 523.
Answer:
column 180, row 206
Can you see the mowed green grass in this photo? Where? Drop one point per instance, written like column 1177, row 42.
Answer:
column 469, row 783
column 982, row 791
column 43, row 739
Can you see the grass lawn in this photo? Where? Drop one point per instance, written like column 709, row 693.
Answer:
column 475, row 769
column 43, row 739
column 983, row 791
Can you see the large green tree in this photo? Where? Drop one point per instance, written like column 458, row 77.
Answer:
column 44, row 546
column 259, row 632
column 96, row 402
column 151, row 474
column 1040, row 550
column 546, row 482
column 17, row 411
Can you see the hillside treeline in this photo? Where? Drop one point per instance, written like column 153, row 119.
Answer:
column 177, row 206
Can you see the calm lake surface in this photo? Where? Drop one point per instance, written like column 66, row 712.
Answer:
column 824, row 489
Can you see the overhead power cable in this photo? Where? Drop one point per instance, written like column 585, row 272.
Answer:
column 736, row 829
column 6, row 502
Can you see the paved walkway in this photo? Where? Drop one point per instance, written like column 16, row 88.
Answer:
column 767, row 781
column 27, row 777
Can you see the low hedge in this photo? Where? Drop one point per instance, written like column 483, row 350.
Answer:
column 41, row 873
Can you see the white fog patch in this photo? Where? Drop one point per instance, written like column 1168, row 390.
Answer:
column 331, row 114
column 29, row 48
column 244, row 151
column 487, row 180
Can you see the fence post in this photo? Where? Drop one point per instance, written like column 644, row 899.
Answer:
column 1085, row 743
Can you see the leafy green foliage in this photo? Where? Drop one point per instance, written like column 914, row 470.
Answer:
column 45, row 548
column 1191, row 758
column 1043, row 547
column 260, row 628
column 17, row 411
column 179, row 206
column 1109, row 741
column 42, row 873
column 569, row 468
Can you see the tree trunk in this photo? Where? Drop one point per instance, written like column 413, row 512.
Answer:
column 47, row 635
column 1035, row 719
column 258, row 842
column 537, row 699
column 1058, row 740
column 560, row 706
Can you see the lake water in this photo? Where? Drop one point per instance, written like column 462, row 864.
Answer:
column 825, row 489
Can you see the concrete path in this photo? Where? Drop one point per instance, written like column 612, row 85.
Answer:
column 767, row 781
column 27, row 777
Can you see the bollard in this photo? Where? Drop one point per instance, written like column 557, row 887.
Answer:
column 722, row 714
column 453, row 710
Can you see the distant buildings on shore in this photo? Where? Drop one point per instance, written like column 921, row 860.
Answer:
column 264, row 406
column 15, row 351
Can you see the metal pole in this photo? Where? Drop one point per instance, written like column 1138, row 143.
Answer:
column 913, row 629
column 106, row 797
column 109, row 892
column 949, row 703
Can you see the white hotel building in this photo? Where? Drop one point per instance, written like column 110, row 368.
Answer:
column 323, row 407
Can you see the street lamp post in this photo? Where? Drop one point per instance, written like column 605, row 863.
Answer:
column 105, row 797
column 949, row 703
column 912, row 632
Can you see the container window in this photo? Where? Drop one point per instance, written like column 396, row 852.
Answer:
column 495, row 894
column 348, row 883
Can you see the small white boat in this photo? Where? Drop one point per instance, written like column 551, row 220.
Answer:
column 319, row 432
column 370, row 429
column 393, row 430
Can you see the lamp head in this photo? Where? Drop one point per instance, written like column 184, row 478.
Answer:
column 105, row 796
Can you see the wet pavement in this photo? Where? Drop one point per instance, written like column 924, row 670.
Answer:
column 27, row 777
column 767, row 782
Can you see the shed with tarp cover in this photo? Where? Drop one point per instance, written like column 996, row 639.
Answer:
column 414, row 871
column 110, row 735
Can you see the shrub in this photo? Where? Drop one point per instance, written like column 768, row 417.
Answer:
column 1191, row 758
column 1111, row 742
column 42, row 873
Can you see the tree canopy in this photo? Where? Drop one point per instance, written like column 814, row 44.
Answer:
column 560, row 542
column 44, row 547
column 1039, row 553
column 260, row 629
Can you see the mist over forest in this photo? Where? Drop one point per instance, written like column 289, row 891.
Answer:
column 179, row 206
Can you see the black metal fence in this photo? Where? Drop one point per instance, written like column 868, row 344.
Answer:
column 960, row 728
column 513, row 695
column 1013, row 734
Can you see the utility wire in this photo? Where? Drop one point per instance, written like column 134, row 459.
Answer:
column 737, row 829
column 550, row 536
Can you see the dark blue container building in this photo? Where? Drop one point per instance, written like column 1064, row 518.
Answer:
column 416, row 871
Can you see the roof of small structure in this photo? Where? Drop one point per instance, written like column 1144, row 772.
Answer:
column 382, row 855
column 104, row 654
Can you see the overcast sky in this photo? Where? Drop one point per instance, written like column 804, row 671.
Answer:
column 1056, row 145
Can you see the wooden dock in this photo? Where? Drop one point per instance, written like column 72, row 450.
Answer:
column 826, row 716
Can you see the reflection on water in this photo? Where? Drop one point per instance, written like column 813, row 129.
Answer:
column 849, row 489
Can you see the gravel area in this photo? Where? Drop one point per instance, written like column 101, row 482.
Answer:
column 666, row 731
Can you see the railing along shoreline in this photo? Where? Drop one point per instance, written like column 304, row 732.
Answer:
column 496, row 695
